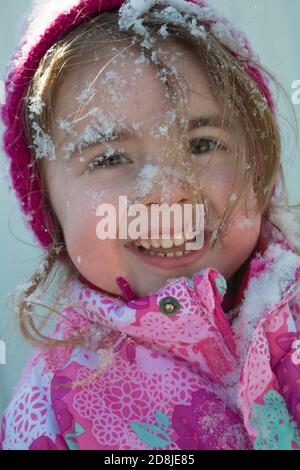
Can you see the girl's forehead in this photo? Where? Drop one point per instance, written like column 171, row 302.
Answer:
column 126, row 84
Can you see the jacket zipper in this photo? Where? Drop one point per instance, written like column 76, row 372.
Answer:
column 225, row 328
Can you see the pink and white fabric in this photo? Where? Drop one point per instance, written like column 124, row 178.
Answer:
column 186, row 379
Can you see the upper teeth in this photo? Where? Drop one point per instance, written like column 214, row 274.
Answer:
column 177, row 240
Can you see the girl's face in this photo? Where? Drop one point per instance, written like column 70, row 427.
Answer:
column 129, row 94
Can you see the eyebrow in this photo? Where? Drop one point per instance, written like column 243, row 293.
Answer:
column 214, row 120
column 210, row 121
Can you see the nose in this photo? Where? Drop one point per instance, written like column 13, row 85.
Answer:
column 169, row 192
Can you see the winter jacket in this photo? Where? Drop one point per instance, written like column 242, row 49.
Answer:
column 172, row 370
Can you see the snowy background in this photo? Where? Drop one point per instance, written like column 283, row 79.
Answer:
column 273, row 29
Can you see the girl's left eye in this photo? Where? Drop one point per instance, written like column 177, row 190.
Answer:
column 201, row 146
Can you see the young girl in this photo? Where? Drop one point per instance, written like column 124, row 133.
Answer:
column 154, row 346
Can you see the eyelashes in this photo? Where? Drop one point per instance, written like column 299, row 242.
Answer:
column 108, row 161
column 203, row 146
column 198, row 146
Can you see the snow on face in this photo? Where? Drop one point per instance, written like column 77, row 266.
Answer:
column 188, row 14
column 113, row 144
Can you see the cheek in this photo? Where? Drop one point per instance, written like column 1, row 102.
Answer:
column 87, row 251
column 61, row 189
column 98, row 261
column 243, row 229
column 80, row 219
column 220, row 182
column 218, row 185
column 244, row 225
column 238, row 242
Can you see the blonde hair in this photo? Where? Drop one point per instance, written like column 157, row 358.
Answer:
column 234, row 89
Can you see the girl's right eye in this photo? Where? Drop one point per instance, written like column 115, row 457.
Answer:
column 107, row 161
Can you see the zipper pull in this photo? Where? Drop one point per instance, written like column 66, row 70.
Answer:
column 124, row 286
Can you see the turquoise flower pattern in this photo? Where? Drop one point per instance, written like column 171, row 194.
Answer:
column 156, row 436
column 277, row 430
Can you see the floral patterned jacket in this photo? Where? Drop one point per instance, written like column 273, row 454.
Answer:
column 171, row 370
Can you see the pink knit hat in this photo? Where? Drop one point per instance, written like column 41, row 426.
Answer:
column 48, row 21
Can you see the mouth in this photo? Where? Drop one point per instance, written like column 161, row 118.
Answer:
column 168, row 254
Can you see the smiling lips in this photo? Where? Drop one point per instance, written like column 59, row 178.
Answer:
column 169, row 248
